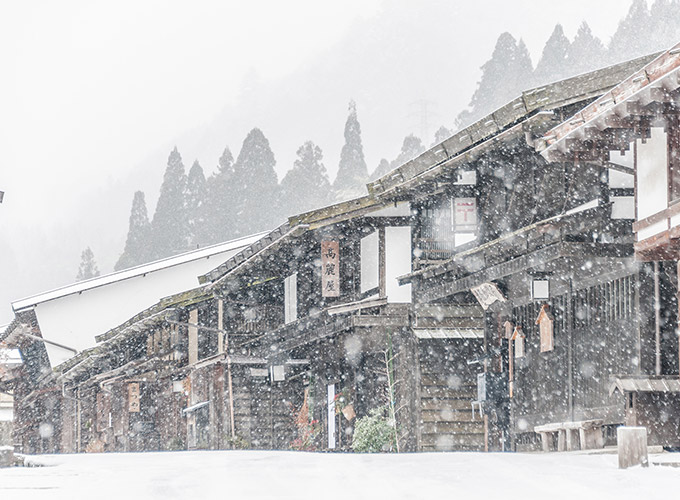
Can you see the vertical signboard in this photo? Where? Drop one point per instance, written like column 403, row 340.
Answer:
column 133, row 397
column 330, row 269
column 465, row 216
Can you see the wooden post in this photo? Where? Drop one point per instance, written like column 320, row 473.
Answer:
column 231, row 399
column 78, row 417
column 657, row 321
column 220, row 326
column 570, row 349
column 545, row 441
column 678, row 319
column 381, row 263
column 632, row 446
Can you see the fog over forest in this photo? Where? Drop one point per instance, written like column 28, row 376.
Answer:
column 99, row 99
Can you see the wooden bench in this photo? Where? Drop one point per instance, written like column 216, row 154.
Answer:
column 589, row 435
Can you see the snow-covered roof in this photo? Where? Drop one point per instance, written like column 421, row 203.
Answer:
column 203, row 253
column 545, row 98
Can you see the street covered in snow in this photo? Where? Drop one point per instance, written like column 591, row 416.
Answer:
column 273, row 474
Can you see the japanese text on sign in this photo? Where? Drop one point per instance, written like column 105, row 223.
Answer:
column 133, row 397
column 330, row 269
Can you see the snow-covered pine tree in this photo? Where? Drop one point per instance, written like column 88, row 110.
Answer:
column 220, row 202
column 586, row 52
column 553, row 65
column 196, row 196
column 410, row 148
column 255, row 186
column 632, row 37
column 88, row 267
column 169, row 226
column 306, row 185
column 504, row 77
column 382, row 168
column 441, row 135
column 137, row 244
column 352, row 171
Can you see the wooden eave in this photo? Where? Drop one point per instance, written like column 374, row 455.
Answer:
column 296, row 226
column 521, row 263
column 662, row 384
column 550, row 226
column 317, row 328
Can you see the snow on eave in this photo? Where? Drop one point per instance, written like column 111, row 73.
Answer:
column 107, row 279
column 663, row 71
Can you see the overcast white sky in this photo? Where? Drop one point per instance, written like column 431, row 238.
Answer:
column 90, row 89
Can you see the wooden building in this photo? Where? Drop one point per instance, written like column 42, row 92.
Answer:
column 634, row 129
column 486, row 295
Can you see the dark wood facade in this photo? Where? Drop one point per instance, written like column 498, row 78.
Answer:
column 525, row 302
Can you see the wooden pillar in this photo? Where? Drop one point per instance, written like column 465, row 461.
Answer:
column 382, row 281
column 678, row 318
column 657, row 321
column 79, row 412
column 220, row 326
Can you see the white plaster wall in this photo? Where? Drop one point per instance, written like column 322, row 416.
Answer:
column 369, row 262
column 652, row 181
column 75, row 320
column 397, row 262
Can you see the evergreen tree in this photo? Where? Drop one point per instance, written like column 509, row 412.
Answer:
column 88, row 266
column 382, row 169
column 352, row 171
column 553, row 65
column 306, row 185
column 410, row 148
column 169, row 227
column 586, row 52
column 196, row 196
column 441, row 135
column 137, row 249
column 255, row 186
column 504, row 77
column 631, row 38
column 220, row 202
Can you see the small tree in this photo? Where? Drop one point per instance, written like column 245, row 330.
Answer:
column 88, row 267
column 374, row 433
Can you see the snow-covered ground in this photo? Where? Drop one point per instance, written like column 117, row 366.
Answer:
column 291, row 475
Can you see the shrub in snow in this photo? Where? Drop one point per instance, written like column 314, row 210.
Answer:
column 374, row 433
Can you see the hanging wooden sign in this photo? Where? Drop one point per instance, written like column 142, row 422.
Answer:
column 545, row 322
column 330, row 269
column 518, row 339
column 133, row 397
